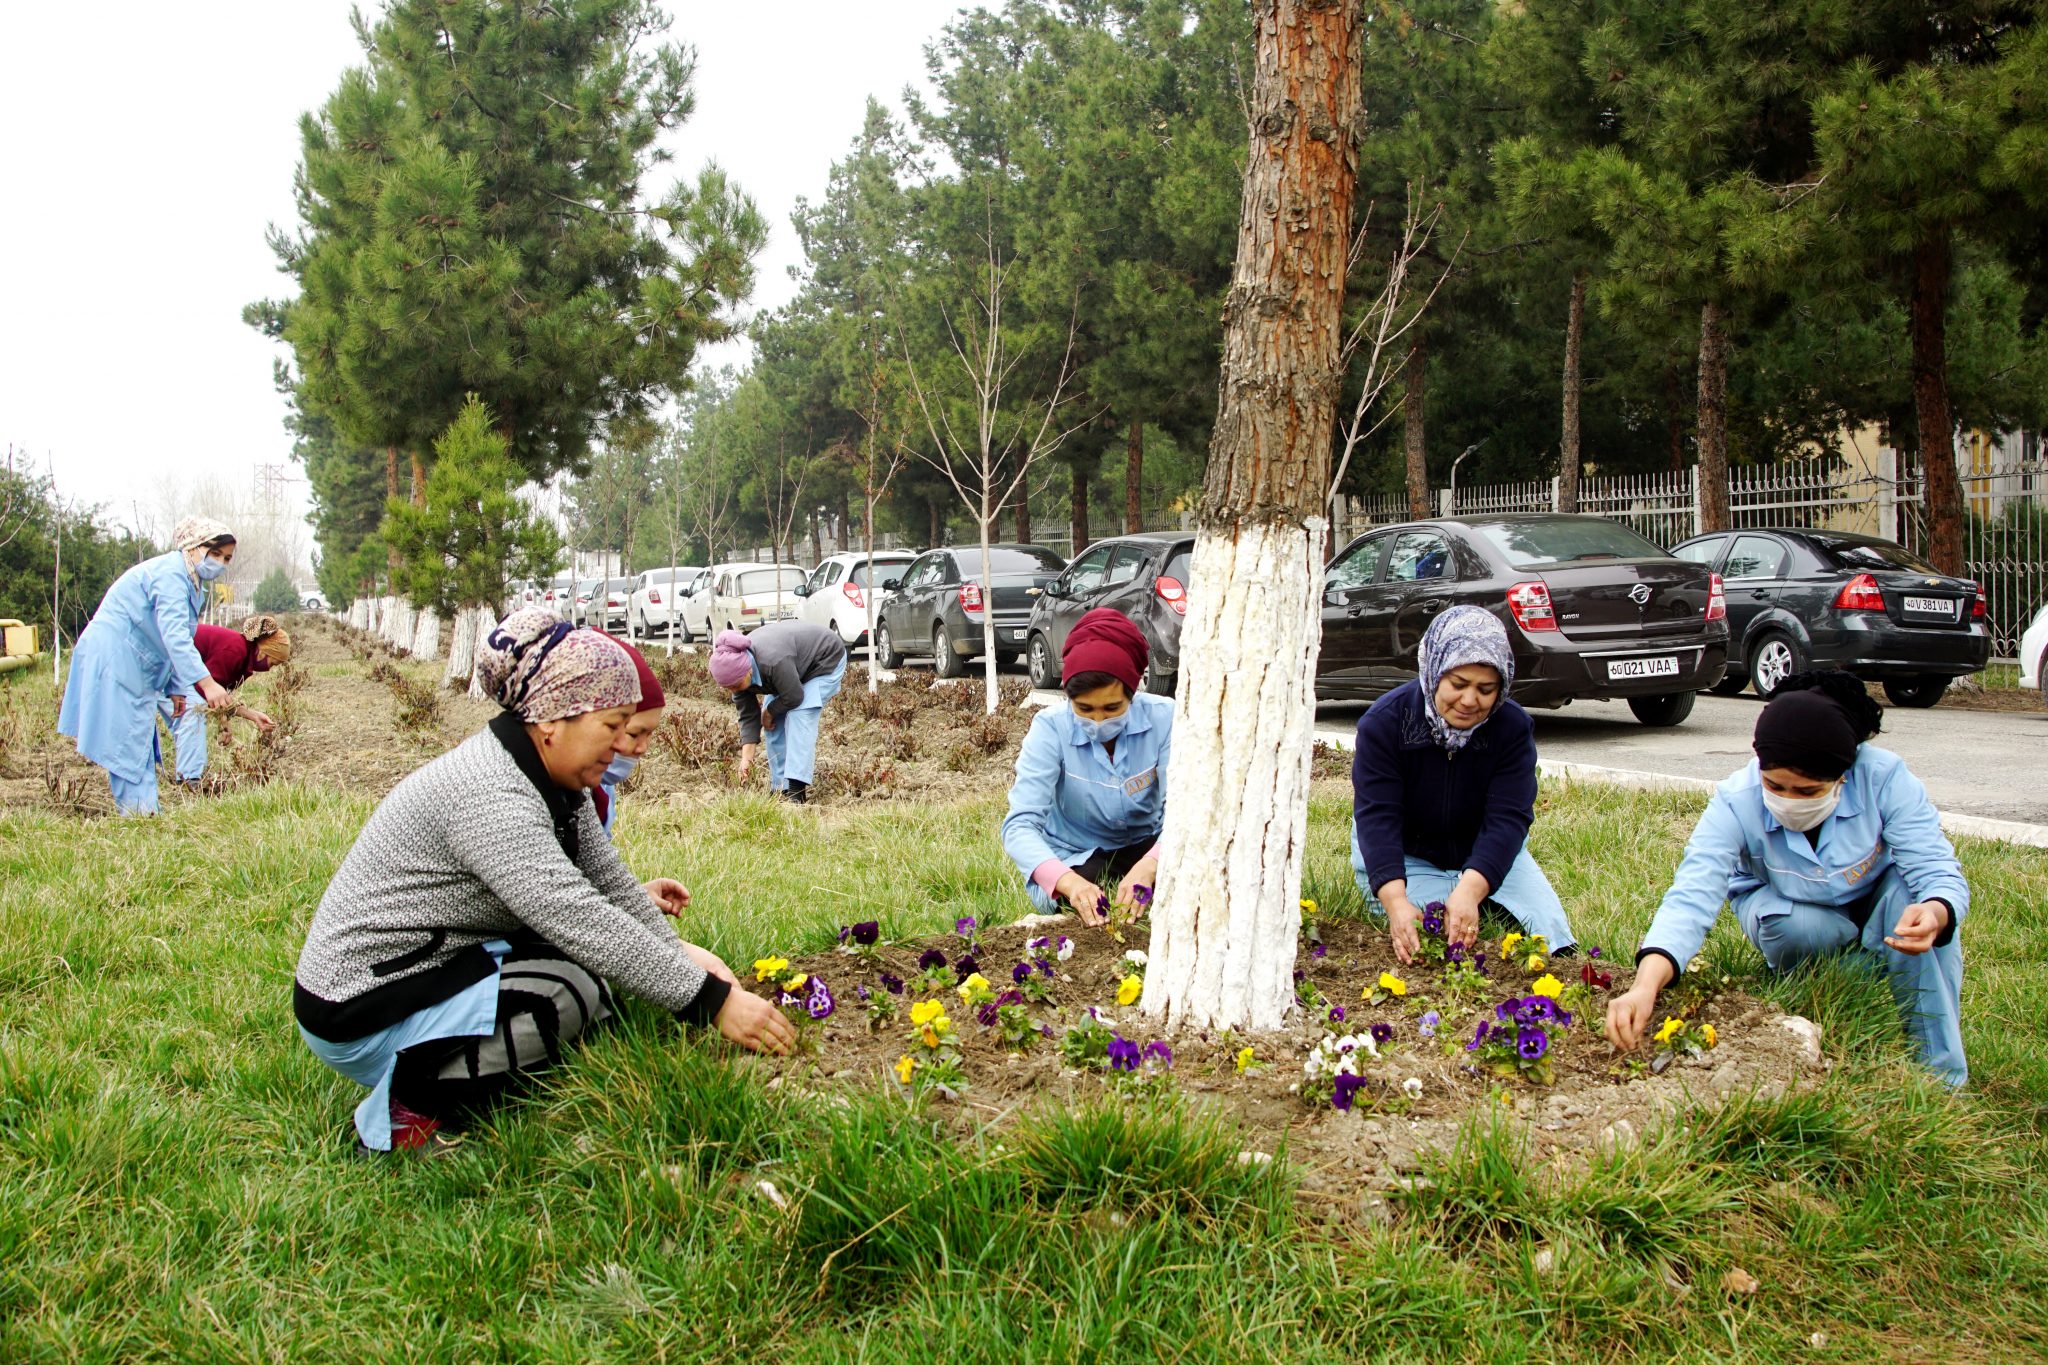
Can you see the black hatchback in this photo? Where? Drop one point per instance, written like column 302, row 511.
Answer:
column 1800, row 599
column 1144, row 576
column 938, row 605
column 1593, row 610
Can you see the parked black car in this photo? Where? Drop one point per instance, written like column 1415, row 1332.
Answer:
column 1144, row 576
column 936, row 607
column 1592, row 608
column 1800, row 599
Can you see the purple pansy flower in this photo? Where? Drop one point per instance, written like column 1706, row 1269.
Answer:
column 1336, row 1014
column 986, row 1013
column 1123, row 1054
column 965, row 966
column 1382, row 1033
column 1159, row 1051
column 819, row 1004
column 1454, row 954
column 1043, row 967
column 1532, row 1042
column 1141, row 895
column 1592, row 952
column 1433, row 918
column 1317, row 950
column 861, row 991
column 1345, row 1091
column 1034, row 944
column 930, row 958
column 1299, row 976
column 867, row 933
column 1479, row 963
column 1045, row 1030
column 891, row 984
column 964, row 926
column 1478, row 1038
column 844, row 930
column 1427, row 1024
column 1021, row 973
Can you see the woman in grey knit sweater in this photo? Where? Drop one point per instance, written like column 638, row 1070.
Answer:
column 482, row 918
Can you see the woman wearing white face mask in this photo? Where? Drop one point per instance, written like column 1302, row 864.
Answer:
column 1822, row 844
column 1090, row 794
column 138, row 651
column 633, row 740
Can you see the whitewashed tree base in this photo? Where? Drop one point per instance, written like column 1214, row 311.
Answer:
column 426, row 635
column 486, row 622
column 461, row 647
column 1226, row 915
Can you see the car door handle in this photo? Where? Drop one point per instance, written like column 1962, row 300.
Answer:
column 1435, row 603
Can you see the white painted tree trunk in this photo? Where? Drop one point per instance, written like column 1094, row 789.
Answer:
column 461, row 646
column 486, row 622
column 398, row 630
column 1227, row 914
column 426, row 635
column 359, row 613
column 988, row 619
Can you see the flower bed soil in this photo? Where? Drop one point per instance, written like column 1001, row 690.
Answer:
column 1598, row 1098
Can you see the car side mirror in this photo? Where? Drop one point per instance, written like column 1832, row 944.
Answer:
column 803, row 590
column 891, row 584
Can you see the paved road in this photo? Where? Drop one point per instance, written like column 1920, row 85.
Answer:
column 1992, row 764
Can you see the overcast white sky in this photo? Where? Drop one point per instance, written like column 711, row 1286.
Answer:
column 145, row 147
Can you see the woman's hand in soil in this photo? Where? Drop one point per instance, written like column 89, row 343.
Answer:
column 258, row 719
column 755, row 1024
column 1461, row 919
column 746, row 763
column 1083, row 895
column 1145, row 873
column 1401, row 921
column 670, row 896
column 711, row 963
column 1628, row 1017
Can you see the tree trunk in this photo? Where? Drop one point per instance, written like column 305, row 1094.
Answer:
column 390, row 495
column 426, row 634
column 931, row 541
column 461, row 648
column 1077, row 510
column 1415, row 375
column 486, row 622
column 1713, row 418
column 817, row 547
column 1023, row 506
column 992, row 693
column 1226, row 917
column 1568, row 459
column 419, row 481
column 1134, row 480
column 1933, row 421
column 1674, row 421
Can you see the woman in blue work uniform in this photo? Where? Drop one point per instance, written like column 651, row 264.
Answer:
column 1443, row 790
column 138, row 650
column 1822, row 844
column 1090, row 794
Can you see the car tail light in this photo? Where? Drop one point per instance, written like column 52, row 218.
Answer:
column 970, row 596
column 1717, row 599
column 1860, row 593
column 1977, row 608
column 852, row 591
column 750, row 611
column 654, row 597
column 1172, row 592
column 1530, row 605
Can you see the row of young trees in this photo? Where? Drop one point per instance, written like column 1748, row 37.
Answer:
column 57, row 556
column 1647, row 234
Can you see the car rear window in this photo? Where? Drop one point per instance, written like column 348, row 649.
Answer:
column 884, row 569
column 1178, row 564
column 763, row 580
column 619, row 585
column 1533, row 544
column 1857, row 554
column 1013, row 561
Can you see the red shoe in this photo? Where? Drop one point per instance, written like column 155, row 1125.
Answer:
column 411, row 1130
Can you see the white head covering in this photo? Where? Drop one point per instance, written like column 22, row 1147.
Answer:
column 1463, row 635
column 192, row 536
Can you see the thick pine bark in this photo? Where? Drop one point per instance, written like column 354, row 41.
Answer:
column 1936, row 426
column 486, row 622
column 1713, row 418
column 1077, row 509
column 1226, row 916
column 1568, row 457
column 461, row 648
column 1134, row 479
column 419, row 481
column 1414, row 376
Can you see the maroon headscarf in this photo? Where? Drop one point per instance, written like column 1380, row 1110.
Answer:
column 652, row 698
column 1105, row 641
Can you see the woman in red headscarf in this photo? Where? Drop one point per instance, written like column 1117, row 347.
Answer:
column 1090, row 793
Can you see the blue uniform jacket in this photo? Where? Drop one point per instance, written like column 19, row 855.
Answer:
column 1883, row 821
column 1073, row 798
column 1410, row 798
column 137, row 649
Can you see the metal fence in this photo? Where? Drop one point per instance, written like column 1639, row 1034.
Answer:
column 2005, row 490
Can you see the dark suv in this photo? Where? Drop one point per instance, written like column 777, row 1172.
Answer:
column 1832, row 599
column 1592, row 608
column 1144, row 576
column 937, row 605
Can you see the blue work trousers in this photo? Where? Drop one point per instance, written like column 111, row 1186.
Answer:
column 793, row 744
column 1525, row 893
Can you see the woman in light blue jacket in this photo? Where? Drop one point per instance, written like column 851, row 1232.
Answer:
column 1822, row 844
column 1090, row 793
column 137, row 651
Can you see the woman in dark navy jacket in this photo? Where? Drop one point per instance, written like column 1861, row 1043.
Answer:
column 1444, row 788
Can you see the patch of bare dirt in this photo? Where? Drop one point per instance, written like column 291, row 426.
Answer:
column 1419, row 1092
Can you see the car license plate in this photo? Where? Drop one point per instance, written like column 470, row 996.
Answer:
column 1932, row 606
column 1013, row 635
column 1664, row 666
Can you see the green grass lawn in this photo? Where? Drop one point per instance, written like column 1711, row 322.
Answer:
column 174, row 1183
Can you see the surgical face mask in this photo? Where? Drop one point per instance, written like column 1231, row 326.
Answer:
column 211, row 568
column 619, row 769
column 1802, row 813
column 1103, row 730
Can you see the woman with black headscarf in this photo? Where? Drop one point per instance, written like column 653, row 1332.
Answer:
column 1822, row 844
column 1443, row 790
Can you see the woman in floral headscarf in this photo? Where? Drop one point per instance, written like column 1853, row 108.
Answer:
column 138, row 651
column 1444, row 788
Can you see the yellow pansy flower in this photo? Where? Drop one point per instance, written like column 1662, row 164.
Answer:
column 1707, row 1032
column 1672, row 1028
column 1507, row 945
column 1535, row 963
column 904, row 1066
column 1308, row 907
column 924, row 1011
column 975, row 984
column 1549, row 985
column 1244, row 1060
column 795, row 983
column 765, row 967
column 1392, row 984
column 1129, row 989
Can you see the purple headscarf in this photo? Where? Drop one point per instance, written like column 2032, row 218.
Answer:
column 546, row 669
column 732, row 659
column 1463, row 635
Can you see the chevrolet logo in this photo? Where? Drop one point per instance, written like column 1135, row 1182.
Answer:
column 1639, row 594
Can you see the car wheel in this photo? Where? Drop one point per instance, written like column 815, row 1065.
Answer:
column 1919, row 693
column 1731, row 684
column 946, row 662
column 1157, row 683
column 1007, row 660
column 683, row 633
column 1662, row 711
column 885, row 647
column 1038, row 661
column 1777, row 658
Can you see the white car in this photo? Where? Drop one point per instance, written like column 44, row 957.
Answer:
column 841, row 587
column 750, row 595
column 559, row 596
column 656, row 593
column 2034, row 653
column 699, row 620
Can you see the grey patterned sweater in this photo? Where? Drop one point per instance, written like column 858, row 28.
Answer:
column 479, row 845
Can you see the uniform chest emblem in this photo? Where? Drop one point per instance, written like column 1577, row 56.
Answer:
column 1855, row 874
column 1134, row 785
